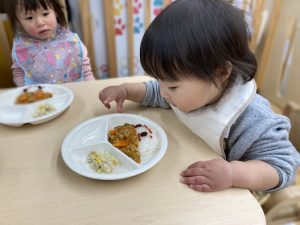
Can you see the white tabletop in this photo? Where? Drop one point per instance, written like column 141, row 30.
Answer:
column 36, row 187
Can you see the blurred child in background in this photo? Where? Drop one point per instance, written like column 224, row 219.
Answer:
column 44, row 49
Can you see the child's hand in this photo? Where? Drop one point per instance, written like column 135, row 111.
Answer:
column 113, row 93
column 208, row 176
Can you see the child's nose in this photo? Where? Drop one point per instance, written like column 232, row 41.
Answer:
column 164, row 93
column 39, row 22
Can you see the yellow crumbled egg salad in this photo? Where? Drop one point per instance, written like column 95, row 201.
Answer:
column 102, row 162
column 43, row 109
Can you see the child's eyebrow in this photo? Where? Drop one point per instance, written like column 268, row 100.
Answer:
column 26, row 13
column 23, row 11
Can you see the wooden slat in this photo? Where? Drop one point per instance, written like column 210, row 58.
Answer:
column 166, row 3
column 275, row 14
column 5, row 56
column 130, row 37
column 283, row 206
column 257, row 18
column 292, row 111
column 87, row 31
column 110, row 36
column 2, row 8
column 287, row 51
column 147, row 13
column 8, row 31
column 245, row 5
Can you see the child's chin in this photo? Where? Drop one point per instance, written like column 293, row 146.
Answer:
column 188, row 110
column 45, row 36
column 42, row 38
column 182, row 110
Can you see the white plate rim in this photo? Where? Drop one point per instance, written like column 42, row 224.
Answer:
column 46, row 118
column 137, row 171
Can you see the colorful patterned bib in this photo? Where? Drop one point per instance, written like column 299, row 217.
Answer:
column 57, row 60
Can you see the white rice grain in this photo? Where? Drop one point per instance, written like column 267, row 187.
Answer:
column 149, row 144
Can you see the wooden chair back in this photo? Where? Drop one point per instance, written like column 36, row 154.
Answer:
column 283, row 207
column 6, row 37
column 278, row 73
column 256, row 15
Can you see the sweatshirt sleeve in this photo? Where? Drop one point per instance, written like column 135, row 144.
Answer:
column 274, row 148
column 259, row 134
column 86, row 65
column 152, row 97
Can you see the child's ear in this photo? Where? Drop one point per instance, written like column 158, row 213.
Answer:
column 224, row 72
column 227, row 71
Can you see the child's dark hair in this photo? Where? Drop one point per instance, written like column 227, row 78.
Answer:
column 11, row 7
column 194, row 38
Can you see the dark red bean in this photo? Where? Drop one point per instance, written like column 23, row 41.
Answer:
column 143, row 134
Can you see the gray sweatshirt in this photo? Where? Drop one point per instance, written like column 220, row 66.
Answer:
column 258, row 134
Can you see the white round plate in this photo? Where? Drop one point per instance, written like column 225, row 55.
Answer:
column 12, row 114
column 91, row 135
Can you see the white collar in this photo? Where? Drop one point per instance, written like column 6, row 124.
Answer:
column 213, row 123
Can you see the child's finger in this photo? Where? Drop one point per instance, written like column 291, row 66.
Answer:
column 201, row 164
column 107, row 105
column 105, row 102
column 102, row 95
column 196, row 171
column 119, row 105
column 196, row 180
column 201, row 187
column 108, row 99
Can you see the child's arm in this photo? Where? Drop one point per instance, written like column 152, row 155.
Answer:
column 218, row 174
column 130, row 91
column 254, row 174
column 268, row 160
column 18, row 74
column 86, row 65
column 148, row 94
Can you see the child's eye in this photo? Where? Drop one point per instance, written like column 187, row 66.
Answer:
column 173, row 88
column 28, row 18
column 45, row 13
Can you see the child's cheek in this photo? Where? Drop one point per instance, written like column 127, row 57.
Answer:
column 31, row 30
column 54, row 24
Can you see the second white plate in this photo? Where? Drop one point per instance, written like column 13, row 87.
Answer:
column 12, row 114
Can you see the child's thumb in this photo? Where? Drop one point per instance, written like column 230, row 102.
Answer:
column 119, row 106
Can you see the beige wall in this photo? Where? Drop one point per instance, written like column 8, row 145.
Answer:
column 272, row 71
